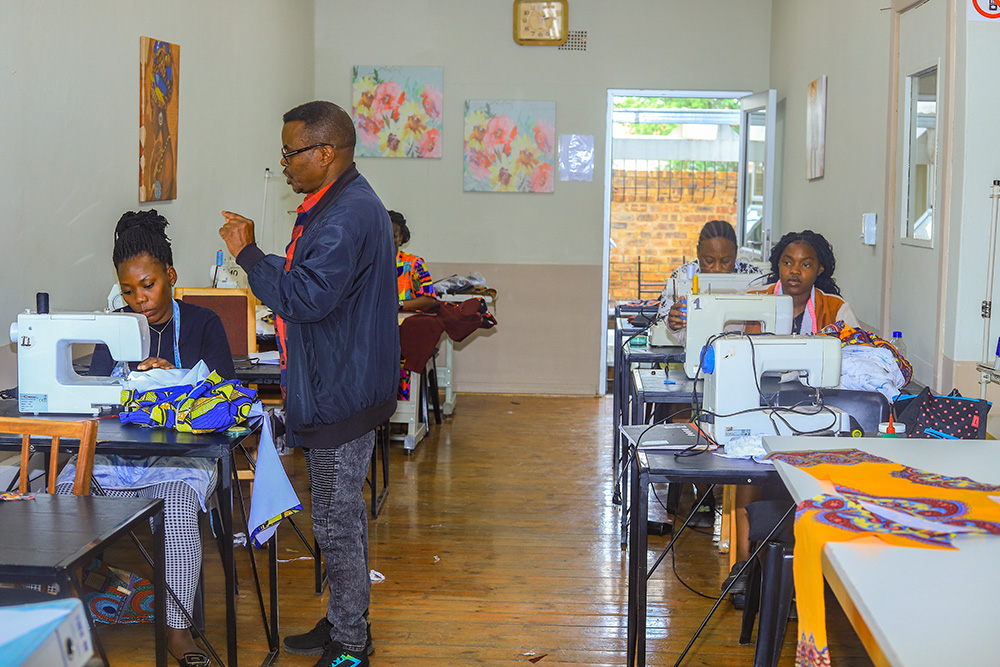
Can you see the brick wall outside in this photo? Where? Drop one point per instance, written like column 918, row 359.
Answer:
column 657, row 216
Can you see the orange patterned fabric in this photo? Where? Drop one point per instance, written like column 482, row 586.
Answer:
column 877, row 497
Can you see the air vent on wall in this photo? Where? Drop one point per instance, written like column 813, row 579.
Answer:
column 576, row 40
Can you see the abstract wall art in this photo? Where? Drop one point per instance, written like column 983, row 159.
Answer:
column 159, row 63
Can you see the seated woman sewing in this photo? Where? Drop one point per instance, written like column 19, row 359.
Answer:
column 802, row 266
column 416, row 289
column 181, row 335
column 717, row 249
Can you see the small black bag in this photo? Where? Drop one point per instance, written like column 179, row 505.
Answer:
column 949, row 417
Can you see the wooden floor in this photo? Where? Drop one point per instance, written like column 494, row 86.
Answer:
column 499, row 544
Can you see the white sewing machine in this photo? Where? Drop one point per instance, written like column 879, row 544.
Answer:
column 713, row 283
column 708, row 315
column 732, row 369
column 708, row 283
column 46, row 381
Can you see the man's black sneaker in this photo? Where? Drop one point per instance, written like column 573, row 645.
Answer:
column 704, row 517
column 335, row 655
column 314, row 642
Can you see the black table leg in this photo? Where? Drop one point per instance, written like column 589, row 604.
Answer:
column 272, row 571
column 638, row 488
column 228, row 555
column 616, row 408
column 160, row 587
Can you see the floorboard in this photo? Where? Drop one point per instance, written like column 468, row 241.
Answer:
column 499, row 543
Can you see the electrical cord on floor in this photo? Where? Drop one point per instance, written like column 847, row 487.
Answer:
column 673, row 560
column 673, row 566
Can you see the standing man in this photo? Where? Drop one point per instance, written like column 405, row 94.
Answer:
column 334, row 295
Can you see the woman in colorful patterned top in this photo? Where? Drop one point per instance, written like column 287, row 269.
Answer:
column 416, row 289
column 802, row 266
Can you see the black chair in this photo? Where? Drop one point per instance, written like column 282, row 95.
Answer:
column 770, row 586
column 868, row 408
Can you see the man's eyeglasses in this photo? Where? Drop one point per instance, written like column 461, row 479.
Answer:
column 285, row 155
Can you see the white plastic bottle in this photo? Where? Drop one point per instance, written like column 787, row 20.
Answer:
column 898, row 343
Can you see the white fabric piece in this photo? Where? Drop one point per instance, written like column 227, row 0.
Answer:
column 871, row 369
column 158, row 378
column 743, row 447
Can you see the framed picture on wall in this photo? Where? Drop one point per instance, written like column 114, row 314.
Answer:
column 816, row 129
column 159, row 64
column 509, row 146
column 397, row 111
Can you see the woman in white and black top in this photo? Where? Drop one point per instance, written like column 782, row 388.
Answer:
column 717, row 250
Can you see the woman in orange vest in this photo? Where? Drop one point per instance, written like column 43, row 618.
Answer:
column 802, row 266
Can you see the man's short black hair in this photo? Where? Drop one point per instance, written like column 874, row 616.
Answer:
column 325, row 122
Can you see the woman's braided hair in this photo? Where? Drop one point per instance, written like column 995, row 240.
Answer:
column 139, row 232
column 824, row 253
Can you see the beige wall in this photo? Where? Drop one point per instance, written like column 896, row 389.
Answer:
column 69, row 109
column 847, row 41
column 538, row 334
column 651, row 44
column 976, row 166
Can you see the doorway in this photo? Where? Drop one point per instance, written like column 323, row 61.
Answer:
column 677, row 159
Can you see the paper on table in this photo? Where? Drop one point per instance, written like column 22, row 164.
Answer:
column 678, row 436
column 647, row 445
column 269, row 357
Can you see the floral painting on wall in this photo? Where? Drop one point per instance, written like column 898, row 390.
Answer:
column 397, row 111
column 509, row 146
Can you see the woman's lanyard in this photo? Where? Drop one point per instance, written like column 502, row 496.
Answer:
column 177, row 335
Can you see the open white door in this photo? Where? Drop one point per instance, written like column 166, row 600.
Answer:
column 755, row 204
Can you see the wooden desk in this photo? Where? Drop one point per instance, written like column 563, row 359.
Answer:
column 912, row 606
column 47, row 539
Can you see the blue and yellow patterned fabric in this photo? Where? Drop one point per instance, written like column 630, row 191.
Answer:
column 213, row 404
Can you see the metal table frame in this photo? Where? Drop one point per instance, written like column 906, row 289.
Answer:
column 624, row 356
column 649, row 467
column 647, row 385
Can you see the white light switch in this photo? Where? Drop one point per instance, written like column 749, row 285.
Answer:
column 868, row 223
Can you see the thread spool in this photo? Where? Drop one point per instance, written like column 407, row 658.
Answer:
column 42, row 303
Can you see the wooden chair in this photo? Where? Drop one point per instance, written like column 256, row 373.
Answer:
column 237, row 309
column 85, row 431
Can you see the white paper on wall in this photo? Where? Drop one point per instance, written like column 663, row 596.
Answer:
column 576, row 157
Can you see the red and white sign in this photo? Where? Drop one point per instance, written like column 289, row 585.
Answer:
column 984, row 10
